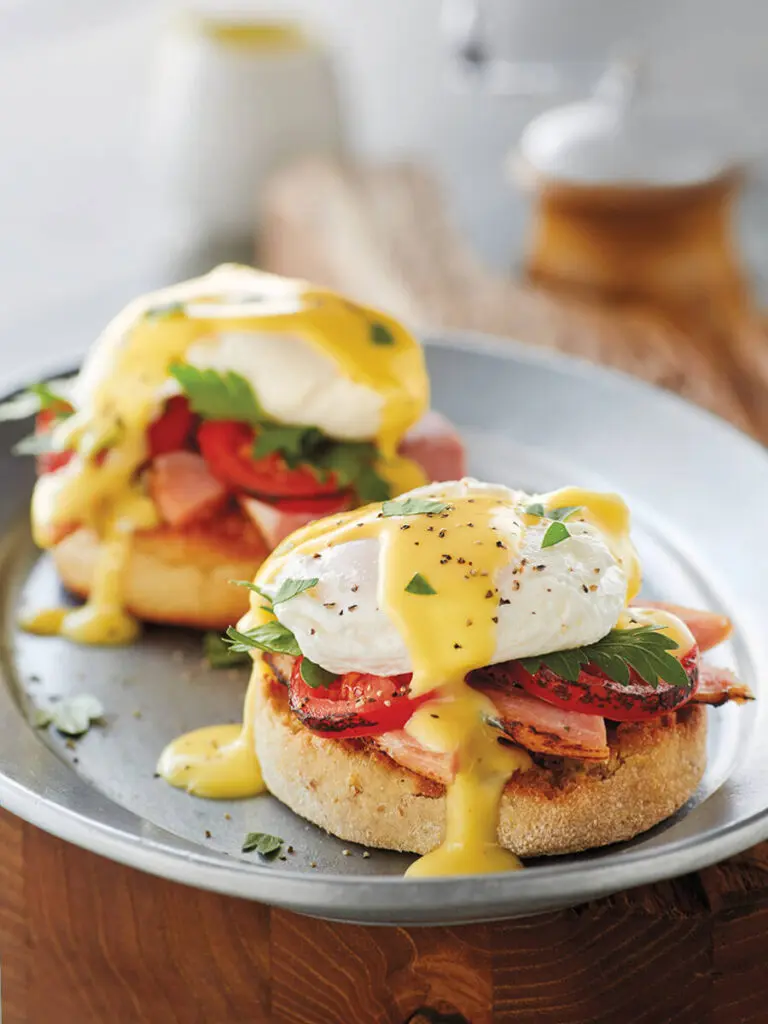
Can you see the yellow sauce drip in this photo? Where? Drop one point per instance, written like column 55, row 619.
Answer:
column 669, row 625
column 610, row 514
column 472, row 800
column 219, row 761
column 45, row 622
column 124, row 379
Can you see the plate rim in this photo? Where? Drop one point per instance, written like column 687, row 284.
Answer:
column 308, row 894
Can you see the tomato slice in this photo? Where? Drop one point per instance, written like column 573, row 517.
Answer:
column 170, row 431
column 49, row 462
column 226, row 447
column 595, row 693
column 355, row 705
column 322, row 506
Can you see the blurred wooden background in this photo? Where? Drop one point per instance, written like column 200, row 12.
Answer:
column 383, row 236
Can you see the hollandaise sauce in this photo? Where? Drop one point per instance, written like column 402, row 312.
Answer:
column 125, row 382
column 437, row 574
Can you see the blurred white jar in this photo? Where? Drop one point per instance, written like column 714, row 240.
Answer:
column 233, row 97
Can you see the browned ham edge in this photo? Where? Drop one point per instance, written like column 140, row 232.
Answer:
column 719, row 685
column 708, row 628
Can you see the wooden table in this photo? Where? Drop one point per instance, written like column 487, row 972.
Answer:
column 87, row 941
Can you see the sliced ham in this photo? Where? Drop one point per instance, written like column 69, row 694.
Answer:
column 275, row 524
column 436, row 446
column 409, row 753
column 539, row 727
column 709, row 629
column 719, row 685
column 546, row 729
column 183, row 488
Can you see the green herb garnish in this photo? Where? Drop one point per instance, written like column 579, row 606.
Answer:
column 250, row 586
column 219, row 654
column 556, row 532
column 278, row 639
column 218, row 396
column 643, row 649
column 559, row 514
column 271, row 636
column 37, row 398
column 167, row 310
column 419, row 585
column 412, row 507
column 71, row 717
column 537, row 509
column 290, row 588
column 556, row 514
column 262, row 843
column 354, row 464
column 381, row 334
column 294, row 444
column 315, row 675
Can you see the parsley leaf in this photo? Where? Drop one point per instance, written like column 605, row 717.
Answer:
column 354, row 464
column 643, row 649
column 556, row 514
column 272, row 636
column 556, row 532
column 167, row 310
column 37, row 398
column 262, row 843
column 412, row 507
column 218, row 396
column 294, row 444
column 559, row 514
column 369, row 486
column 315, row 675
column 219, row 654
column 73, row 716
column 250, row 586
column 381, row 334
column 292, row 588
column 419, row 585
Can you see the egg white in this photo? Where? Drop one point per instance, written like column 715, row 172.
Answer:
column 569, row 594
column 294, row 382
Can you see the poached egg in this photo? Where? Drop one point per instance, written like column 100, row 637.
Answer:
column 311, row 358
column 550, row 598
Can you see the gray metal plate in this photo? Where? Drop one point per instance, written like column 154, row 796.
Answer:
column 698, row 490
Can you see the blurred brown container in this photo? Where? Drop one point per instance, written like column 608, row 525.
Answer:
column 630, row 209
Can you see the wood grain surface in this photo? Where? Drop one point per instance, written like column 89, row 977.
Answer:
column 87, row 941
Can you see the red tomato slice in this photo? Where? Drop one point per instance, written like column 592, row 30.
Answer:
column 49, row 462
column 171, row 430
column 355, row 705
column 226, row 447
column 323, row 506
column 595, row 693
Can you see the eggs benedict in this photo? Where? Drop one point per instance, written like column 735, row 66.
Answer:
column 464, row 672
column 209, row 421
